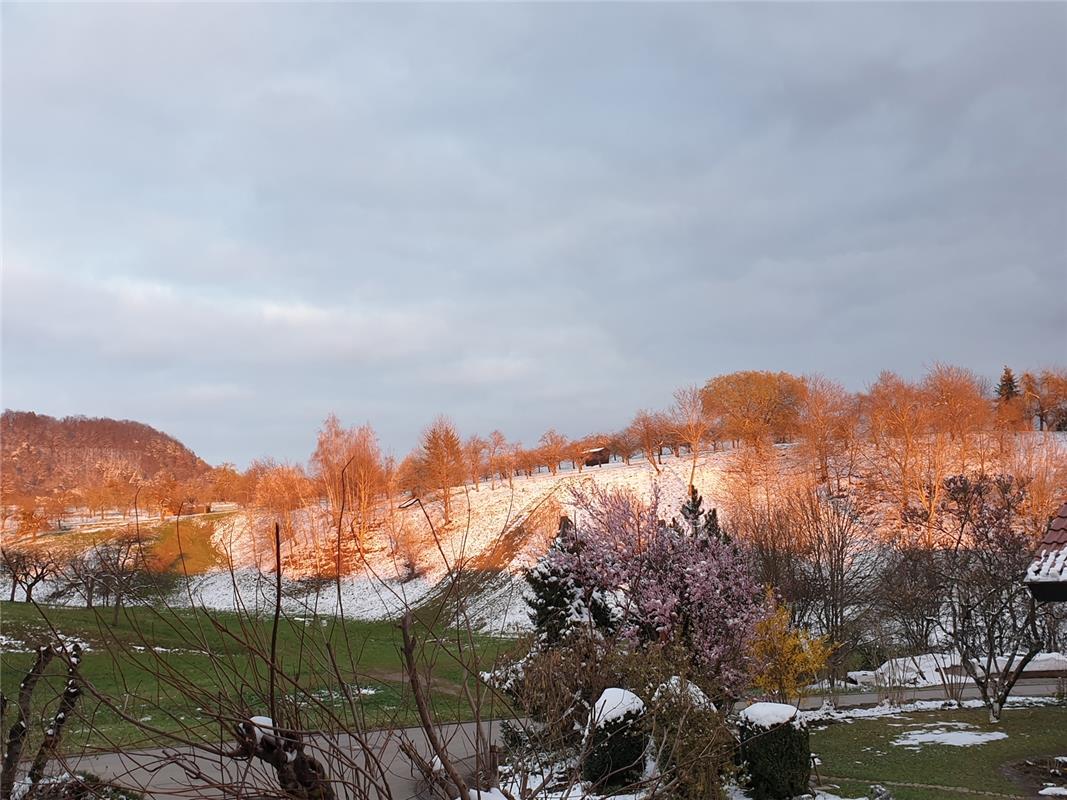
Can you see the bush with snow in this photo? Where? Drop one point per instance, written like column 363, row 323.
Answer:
column 693, row 747
column 775, row 750
column 616, row 740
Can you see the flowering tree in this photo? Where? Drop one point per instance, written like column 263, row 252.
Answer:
column 668, row 584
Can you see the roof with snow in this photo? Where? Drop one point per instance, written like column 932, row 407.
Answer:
column 1047, row 575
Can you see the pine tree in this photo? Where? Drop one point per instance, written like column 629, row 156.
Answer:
column 1007, row 390
column 692, row 511
column 556, row 602
column 712, row 529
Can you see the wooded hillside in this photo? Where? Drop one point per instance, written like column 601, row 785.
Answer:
column 42, row 454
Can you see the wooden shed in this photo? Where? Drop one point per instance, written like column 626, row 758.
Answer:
column 1047, row 576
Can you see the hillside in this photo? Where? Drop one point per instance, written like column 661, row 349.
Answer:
column 42, row 454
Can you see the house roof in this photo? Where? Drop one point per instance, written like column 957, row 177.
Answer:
column 1057, row 528
column 1050, row 566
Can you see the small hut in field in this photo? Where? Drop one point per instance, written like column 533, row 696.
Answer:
column 1047, row 576
column 596, row 456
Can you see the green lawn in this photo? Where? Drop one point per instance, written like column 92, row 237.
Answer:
column 862, row 752
column 121, row 664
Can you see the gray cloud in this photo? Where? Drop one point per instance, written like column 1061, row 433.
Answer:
column 228, row 220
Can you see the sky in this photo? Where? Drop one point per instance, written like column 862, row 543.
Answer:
column 229, row 220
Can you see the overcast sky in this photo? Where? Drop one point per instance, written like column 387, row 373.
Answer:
column 229, row 220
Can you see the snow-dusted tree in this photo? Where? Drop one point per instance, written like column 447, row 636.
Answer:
column 557, row 602
column 699, row 523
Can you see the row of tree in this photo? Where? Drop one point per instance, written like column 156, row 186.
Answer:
column 909, row 425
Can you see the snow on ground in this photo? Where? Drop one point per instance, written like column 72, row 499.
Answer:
column 734, row 792
column 498, row 529
column 957, row 734
column 830, row 714
column 927, row 669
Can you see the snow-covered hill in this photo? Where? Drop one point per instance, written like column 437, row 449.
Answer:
column 495, row 533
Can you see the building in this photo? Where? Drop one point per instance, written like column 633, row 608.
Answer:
column 1047, row 576
column 596, row 456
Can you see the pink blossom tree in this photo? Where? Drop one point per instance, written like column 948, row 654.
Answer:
column 667, row 583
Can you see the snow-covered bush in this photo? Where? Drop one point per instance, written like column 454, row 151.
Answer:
column 616, row 740
column 775, row 750
column 693, row 747
column 81, row 786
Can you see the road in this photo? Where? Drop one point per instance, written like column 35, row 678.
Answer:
column 156, row 773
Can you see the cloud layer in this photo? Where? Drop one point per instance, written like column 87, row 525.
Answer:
column 228, row 220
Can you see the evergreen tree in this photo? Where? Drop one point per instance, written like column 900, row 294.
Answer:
column 712, row 529
column 1007, row 390
column 692, row 511
column 701, row 525
column 556, row 602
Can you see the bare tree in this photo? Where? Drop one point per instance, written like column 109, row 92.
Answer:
column 474, row 456
column 690, row 423
column 123, row 571
column 26, row 568
column 827, row 425
column 991, row 618
column 623, row 445
column 79, row 573
column 753, row 405
column 495, row 449
column 840, row 560
column 648, row 430
column 553, row 449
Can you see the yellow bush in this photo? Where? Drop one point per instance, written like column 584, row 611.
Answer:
column 788, row 657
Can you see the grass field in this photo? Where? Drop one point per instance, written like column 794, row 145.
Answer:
column 122, row 662
column 164, row 551
column 857, row 754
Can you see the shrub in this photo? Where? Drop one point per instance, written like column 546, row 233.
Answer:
column 776, row 751
column 693, row 745
column 616, row 740
column 788, row 657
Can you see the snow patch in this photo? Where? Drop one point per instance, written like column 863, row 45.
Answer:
column 614, row 704
column 956, row 734
column 768, row 715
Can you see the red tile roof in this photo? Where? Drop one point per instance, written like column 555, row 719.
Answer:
column 1056, row 534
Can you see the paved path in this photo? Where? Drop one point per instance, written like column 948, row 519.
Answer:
column 159, row 777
